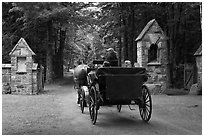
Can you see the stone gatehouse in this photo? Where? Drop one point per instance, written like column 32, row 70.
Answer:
column 22, row 76
column 152, row 54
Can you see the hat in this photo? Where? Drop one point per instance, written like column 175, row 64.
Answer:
column 127, row 61
column 110, row 49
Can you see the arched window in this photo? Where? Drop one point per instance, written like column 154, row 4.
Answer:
column 152, row 54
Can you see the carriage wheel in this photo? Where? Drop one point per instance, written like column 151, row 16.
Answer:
column 146, row 105
column 119, row 107
column 82, row 102
column 93, row 105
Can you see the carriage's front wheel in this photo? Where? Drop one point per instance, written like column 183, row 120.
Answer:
column 93, row 104
column 145, row 106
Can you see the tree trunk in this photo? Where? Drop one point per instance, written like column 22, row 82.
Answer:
column 169, row 49
column 60, row 59
column 130, row 49
column 49, row 56
column 120, row 37
column 124, row 37
column 134, row 53
column 125, row 40
column 125, row 44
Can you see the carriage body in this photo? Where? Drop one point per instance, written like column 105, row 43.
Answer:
column 120, row 86
column 116, row 86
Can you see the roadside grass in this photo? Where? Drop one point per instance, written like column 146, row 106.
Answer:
column 24, row 114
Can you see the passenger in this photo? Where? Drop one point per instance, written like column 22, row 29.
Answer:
column 136, row 65
column 128, row 64
column 111, row 57
column 106, row 64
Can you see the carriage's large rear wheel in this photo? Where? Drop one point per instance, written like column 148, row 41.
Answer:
column 93, row 104
column 145, row 106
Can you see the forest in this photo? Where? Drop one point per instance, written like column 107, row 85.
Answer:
column 61, row 33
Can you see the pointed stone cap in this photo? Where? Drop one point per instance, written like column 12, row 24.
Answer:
column 22, row 44
column 199, row 51
column 147, row 28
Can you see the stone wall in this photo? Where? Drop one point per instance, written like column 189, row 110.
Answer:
column 157, row 70
column 6, row 78
column 35, row 82
column 157, row 77
column 140, row 53
column 21, row 83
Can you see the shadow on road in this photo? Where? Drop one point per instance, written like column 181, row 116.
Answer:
column 66, row 81
column 110, row 120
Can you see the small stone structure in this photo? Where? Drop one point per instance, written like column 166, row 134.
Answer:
column 22, row 76
column 152, row 54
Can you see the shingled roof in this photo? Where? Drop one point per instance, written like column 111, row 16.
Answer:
column 198, row 51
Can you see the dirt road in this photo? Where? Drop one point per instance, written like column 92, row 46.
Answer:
column 55, row 112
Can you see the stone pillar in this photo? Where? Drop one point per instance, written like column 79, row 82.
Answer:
column 13, row 73
column 21, row 68
column 151, row 42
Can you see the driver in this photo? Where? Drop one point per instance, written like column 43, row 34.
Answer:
column 111, row 56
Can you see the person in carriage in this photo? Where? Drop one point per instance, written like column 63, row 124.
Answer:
column 110, row 59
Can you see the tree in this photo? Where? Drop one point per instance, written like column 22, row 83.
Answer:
column 54, row 19
column 180, row 21
column 68, row 31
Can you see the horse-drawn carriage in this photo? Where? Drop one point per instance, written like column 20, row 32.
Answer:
column 115, row 86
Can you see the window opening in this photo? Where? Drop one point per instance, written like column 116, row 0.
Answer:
column 152, row 56
column 21, row 62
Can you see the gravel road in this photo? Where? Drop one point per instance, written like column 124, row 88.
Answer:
column 55, row 112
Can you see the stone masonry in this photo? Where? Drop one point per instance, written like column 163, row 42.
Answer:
column 21, row 76
column 151, row 35
column 6, row 78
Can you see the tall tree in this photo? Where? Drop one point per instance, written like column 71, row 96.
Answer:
column 54, row 17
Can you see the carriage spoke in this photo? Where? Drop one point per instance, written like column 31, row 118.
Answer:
column 147, row 101
column 148, row 112
column 141, row 111
column 147, row 108
column 148, row 104
column 146, row 96
column 144, row 114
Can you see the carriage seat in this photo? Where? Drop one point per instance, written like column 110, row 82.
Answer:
column 119, row 72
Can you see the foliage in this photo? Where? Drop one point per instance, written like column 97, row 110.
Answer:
column 89, row 28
